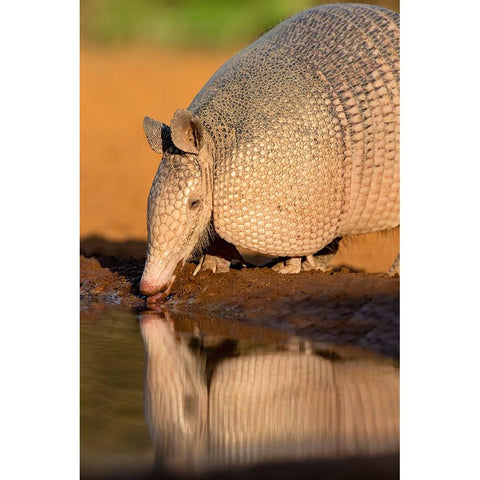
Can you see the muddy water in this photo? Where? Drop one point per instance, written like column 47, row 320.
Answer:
column 113, row 436
column 169, row 395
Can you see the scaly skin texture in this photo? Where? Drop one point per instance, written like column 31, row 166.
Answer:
column 310, row 113
column 300, row 132
column 179, row 206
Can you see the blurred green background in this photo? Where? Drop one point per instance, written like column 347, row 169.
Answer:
column 188, row 23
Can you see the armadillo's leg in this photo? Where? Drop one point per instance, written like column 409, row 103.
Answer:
column 216, row 264
column 395, row 268
column 317, row 262
column 292, row 265
column 213, row 263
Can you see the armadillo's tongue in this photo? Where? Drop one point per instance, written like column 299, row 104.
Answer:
column 162, row 294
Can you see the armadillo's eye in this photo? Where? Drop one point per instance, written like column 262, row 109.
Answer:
column 194, row 203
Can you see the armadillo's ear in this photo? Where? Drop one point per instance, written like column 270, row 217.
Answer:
column 187, row 131
column 158, row 134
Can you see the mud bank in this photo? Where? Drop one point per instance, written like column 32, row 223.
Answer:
column 340, row 307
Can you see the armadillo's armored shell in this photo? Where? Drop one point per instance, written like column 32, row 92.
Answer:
column 306, row 128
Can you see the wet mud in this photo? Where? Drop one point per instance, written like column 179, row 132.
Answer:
column 343, row 306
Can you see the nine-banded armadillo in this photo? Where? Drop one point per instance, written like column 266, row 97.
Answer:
column 292, row 143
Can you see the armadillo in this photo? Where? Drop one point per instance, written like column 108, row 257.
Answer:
column 291, row 144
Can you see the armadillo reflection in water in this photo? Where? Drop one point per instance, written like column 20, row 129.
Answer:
column 263, row 406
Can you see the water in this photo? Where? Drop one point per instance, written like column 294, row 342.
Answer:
column 113, row 435
column 170, row 394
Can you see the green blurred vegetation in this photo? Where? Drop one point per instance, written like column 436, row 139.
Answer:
column 188, row 23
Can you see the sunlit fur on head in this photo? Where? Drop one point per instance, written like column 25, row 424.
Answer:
column 204, row 240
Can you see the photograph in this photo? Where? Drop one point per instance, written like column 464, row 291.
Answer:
column 239, row 219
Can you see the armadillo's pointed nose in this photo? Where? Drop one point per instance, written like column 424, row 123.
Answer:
column 157, row 279
column 148, row 288
column 156, row 293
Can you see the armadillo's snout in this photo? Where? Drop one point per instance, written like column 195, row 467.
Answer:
column 157, row 279
column 156, row 293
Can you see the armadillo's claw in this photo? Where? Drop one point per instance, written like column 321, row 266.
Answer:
column 297, row 265
column 317, row 262
column 199, row 266
column 291, row 265
column 213, row 263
